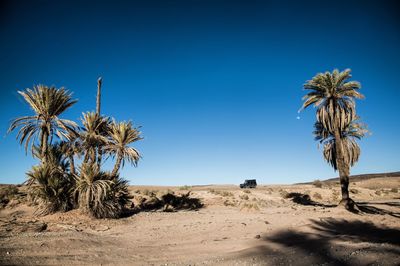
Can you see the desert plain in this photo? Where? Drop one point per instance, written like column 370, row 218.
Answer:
column 270, row 225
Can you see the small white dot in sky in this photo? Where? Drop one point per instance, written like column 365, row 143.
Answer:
column 298, row 118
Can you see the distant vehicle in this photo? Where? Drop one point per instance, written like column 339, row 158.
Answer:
column 249, row 183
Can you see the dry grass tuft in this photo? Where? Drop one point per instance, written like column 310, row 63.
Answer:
column 244, row 197
column 250, row 206
column 221, row 193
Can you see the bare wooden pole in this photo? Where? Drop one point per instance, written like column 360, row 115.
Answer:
column 98, row 95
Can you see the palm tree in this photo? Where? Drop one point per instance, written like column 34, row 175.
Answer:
column 100, row 194
column 351, row 151
column 48, row 103
column 50, row 184
column 334, row 97
column 121, row 135
column 93, row 135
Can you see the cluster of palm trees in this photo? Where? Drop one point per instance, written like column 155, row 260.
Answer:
column 56, row 183
column 337, row 127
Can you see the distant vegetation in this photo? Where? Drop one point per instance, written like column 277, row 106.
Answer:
column 337, row 126
column 56, row 183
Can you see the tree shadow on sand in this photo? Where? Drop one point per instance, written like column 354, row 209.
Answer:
column 168, row 202
column 361, row 207
column 332, row 242
column 305, row 199
column 366, row 207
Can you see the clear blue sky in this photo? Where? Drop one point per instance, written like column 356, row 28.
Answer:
column 216, row 85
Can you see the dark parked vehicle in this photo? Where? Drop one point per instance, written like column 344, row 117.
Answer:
column 249, row 183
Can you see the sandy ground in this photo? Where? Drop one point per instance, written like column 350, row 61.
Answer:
column 235, row 227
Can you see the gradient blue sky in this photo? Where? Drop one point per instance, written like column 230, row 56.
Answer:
column 216, row 85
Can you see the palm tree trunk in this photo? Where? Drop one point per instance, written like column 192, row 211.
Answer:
column 93, row 155
column 44, row 140
column 98, row 96
column 344, row 172
column 117, row 165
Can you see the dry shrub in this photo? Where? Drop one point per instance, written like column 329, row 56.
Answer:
column 262, row 203
column 185, row 187
column 317, row 196
column 354, row 191
column 250, row 206
column 232, row 203
column 149, row 192
column 244, row 197
column 247, row 191
column 221, row 193
column 394, row 190
column 317, row 183
column 8, row 193
column 284, row 194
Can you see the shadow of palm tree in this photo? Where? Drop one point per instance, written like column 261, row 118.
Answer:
column 366, row 207
column 168, row 202
column 363, row 207
column 305, row 199
column 331, row 242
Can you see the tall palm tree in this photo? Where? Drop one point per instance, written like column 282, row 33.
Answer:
column 351, row 151
column 93, row 135
column 121, row 135
column 48, row 103
column 334, row 97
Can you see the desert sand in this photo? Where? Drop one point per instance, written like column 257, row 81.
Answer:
column 269, row 225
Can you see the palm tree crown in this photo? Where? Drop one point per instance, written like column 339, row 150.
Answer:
column 94, row 134
column 48, row 103
column 333, row 96
column 121, row 135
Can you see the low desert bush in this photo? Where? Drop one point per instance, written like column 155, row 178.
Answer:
column 231, row 203
column 317, row 196
column 221, row 193
column 250, row 206
column 394, row 190
column 247, row 191
column 148, row 192
column 244, row 197
column 317, row 183
column 354, row 191
column 185, row 187
column 284, row 194
column 8, row 193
